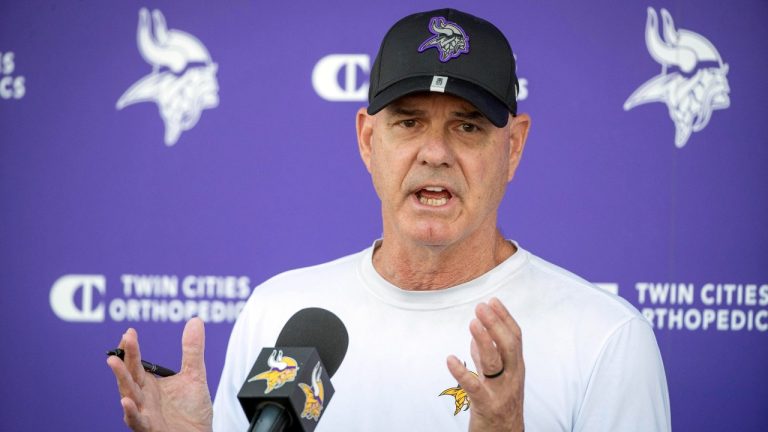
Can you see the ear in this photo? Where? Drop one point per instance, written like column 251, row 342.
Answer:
column 364, row 125
column 518, row 134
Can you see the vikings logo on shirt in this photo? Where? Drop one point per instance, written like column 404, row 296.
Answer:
column 448, row 38
column 282, row 370
column 462, row 399
column 313, row 405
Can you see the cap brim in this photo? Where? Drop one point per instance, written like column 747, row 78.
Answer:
column 492, row 108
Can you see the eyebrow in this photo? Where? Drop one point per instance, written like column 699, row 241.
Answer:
column 399, row 110
column 469, row 115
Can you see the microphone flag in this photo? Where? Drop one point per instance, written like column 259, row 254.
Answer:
column 290, row 377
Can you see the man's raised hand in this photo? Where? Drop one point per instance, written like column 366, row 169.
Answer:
column 177, row 403
column 496, row 392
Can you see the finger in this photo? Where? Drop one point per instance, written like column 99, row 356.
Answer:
column 484, row 352
column 514, row 353
column 193, row 349
column 494, row 327
column 467, row 380
column 501, row 327
column 125, row 383
column 132, row 417
column 132, row 356
column 503, row 313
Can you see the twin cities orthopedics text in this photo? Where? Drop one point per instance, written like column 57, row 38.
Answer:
column 717, row 306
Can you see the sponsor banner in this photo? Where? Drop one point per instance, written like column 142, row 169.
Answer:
column 136, row 140
column 12, row 85
column 149, row 298
column 708, row 306
column 355, row 70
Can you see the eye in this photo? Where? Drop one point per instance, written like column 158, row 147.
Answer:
column 409, row 123
column 469, row 127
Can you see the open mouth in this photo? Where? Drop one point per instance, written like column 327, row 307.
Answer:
column 433, row 196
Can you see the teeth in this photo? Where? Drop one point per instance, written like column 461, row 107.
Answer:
column 434, row 189
column 433, row 202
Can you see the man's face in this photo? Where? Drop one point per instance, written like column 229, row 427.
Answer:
column 439, row 167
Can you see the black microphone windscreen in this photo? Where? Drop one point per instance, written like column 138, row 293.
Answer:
column 318, row 328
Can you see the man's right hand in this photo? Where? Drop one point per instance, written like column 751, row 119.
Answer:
column 177, row 403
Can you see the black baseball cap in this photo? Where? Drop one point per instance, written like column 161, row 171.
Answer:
column 446, row 51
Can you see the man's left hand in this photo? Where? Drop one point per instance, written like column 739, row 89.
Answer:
column 496, row 392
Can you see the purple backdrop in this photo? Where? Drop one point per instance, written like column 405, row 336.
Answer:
column 111, row 219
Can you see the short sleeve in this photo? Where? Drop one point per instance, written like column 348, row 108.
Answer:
column 627, row 389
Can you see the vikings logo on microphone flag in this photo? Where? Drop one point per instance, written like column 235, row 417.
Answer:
column 282, row 370
column 315, row 395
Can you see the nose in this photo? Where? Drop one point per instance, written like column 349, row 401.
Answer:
column 435, row 150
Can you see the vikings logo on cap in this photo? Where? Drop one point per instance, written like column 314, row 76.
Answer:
column 460, row 396
column 313, row 405
column 448, row 38
column 282, row 370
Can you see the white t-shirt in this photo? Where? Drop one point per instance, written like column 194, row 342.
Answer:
column 591, row 360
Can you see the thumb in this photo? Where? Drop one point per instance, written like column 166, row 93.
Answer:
column 193, row 348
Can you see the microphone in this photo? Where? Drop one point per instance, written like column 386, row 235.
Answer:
column 290, row 385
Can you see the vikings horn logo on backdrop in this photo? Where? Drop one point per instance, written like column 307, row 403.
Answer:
column 313, row 405
column 281, row 370
column 183, row 78
column 448, row 38
column 692, row 81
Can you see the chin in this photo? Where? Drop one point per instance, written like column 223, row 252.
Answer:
column 433, row 235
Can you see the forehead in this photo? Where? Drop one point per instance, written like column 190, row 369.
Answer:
column 427, row 101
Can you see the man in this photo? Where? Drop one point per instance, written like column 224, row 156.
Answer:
column 544, row 349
